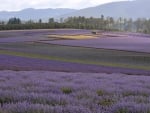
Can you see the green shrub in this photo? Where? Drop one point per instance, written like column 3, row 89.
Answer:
column 122, row 110
column 66, row 90
column 101, row 92
column 106, row 102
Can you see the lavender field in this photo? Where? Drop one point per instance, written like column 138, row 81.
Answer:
column 108, row 40
column 104, row 52
column 59, row 92
column 31, row 56
column 104, row 49
column 74, row 71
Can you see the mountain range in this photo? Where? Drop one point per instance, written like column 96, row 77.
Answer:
column 35, row 14
column 128, row 9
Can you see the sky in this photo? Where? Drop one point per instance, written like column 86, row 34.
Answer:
column 15, row 5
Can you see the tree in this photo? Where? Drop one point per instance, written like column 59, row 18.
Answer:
column 129, row 26
column 40, row 21
column 2, row 22
column 29, row 22
column 61, row 20
column 14, row 21
column 102, row 22
column 120, row 23
column 51, row 20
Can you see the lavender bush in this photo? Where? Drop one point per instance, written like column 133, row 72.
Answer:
column 60, row 92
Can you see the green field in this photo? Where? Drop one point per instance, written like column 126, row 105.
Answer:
column 82, row 55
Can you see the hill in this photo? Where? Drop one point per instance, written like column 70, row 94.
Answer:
column 35, row 14
column 128, row 9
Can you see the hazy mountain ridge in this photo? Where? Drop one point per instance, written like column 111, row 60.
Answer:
column 35, row 14
column 128, row 9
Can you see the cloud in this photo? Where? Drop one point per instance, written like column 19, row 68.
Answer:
column 75, row 4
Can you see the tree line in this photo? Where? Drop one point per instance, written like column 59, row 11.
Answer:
column 81, row 22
